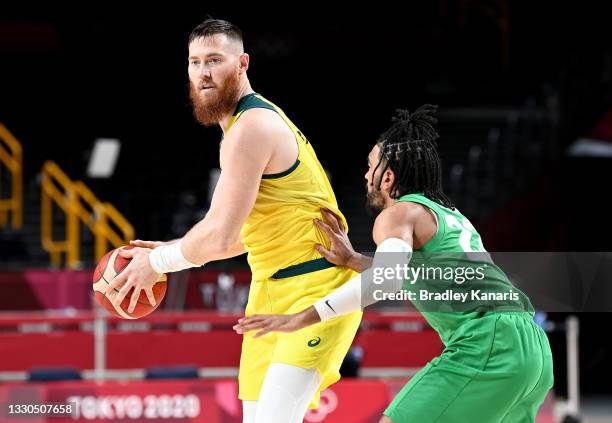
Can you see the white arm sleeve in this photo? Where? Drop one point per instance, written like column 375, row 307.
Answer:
column 357, row 293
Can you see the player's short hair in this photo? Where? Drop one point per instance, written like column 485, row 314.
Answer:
column 408, row 148
column 216, row 26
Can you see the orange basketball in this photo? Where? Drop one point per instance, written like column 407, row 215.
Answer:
column 111, row 265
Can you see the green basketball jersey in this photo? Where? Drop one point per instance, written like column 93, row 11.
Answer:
column 454, row 279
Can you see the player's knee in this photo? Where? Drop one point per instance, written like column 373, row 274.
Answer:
column 385, row 419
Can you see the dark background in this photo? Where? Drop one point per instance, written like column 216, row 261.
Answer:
column 70, row 75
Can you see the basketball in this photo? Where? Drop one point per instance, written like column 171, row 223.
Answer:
column 111, row 265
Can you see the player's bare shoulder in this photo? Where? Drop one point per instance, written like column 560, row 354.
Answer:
column 260, row 126
column 254, row 136
column 397, row 220
column 400, row 213
column 263, row 133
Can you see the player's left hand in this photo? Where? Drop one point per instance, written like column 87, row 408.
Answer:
column 341, row 251
column 277, row 322
column 138, row 274
column 268, row 323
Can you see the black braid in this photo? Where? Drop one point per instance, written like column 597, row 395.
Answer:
column 408, row 148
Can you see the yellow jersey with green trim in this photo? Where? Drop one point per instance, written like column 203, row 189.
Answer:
column 279, row 234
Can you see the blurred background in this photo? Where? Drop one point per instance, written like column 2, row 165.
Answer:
column 99, row 145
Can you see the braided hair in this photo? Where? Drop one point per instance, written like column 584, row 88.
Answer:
column 408, row 148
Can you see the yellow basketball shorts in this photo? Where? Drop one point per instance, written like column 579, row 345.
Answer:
column 322, row 346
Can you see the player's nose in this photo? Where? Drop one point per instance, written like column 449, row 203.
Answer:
column 204, row 73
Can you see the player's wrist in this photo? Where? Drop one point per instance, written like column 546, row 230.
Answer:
column 169, row 258
column 357, row 262
column 307, row 317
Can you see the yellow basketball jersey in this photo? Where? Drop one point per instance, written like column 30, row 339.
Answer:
column 279, row 234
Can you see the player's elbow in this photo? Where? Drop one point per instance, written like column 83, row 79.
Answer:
column 222, row 246
column 206, row 244
column 220, row 241
column 218, row 245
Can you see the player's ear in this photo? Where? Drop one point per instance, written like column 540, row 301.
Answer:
column 389, row 176
column 244, row 62
column 388, row 179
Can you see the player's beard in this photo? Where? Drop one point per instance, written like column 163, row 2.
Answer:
column 375, row 202
column 211, row 111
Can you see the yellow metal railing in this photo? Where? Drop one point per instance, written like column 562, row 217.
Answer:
column 79, row 204
column 11, row 157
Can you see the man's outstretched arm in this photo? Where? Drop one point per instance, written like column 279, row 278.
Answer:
column 393, row 232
